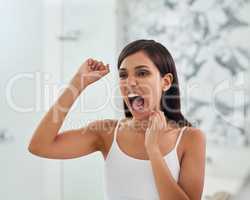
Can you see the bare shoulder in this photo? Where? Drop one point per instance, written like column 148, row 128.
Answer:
column 193, row 162
column 194, row 138
column 105, row 129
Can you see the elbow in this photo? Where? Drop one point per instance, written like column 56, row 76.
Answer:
column 33, row 149
column 35, row 146
column 39, row 150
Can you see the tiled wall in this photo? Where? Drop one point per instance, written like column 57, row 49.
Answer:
column 210, row 43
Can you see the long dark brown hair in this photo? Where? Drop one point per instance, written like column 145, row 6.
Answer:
column 161, row 57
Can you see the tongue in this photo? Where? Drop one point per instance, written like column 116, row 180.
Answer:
column 137, row 104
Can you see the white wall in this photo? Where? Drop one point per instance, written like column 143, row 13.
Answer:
column 20, row 56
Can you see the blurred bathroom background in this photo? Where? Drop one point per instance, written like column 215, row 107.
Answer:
column 43, row 43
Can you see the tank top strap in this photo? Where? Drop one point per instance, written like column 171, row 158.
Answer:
column 116, row 130
column 179, row 137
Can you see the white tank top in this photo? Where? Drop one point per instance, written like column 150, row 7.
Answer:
column 128, row 178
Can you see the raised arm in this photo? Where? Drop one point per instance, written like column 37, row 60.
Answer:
column 48, row 142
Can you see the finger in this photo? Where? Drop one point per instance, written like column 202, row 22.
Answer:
column 90, row 61
column 105, row 70
column 164, row 121
column 92, row 65
column 162, row 116
column 99, row 64
column 95, row 64
column 150, row 121
column 159, row 120
column 154, row 121
column 105, row 67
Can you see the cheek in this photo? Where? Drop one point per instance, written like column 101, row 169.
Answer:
column 122, row 87
column 153, row 94
column 153, row 88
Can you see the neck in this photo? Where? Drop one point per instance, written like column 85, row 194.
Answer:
column 139, row 125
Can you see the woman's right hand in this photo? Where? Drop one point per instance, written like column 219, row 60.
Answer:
column 89, row 72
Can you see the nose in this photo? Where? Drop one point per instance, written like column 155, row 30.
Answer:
column 131, row 81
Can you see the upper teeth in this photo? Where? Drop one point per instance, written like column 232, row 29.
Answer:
column 132, row 95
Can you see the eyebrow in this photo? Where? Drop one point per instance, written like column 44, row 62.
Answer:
column 137, row 67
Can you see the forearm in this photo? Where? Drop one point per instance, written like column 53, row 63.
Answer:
column 167, row 187
column 50, row 124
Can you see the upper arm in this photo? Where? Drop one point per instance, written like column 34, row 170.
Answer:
column 77, row 142
column 192, row 171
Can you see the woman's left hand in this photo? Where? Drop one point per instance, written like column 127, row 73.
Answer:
column 157, row 124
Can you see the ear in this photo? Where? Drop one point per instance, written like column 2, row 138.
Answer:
column 167, row 80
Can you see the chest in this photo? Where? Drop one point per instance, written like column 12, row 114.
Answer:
column 132, row 144
column 128, row 162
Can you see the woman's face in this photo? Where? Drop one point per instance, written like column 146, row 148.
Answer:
column 141, row 84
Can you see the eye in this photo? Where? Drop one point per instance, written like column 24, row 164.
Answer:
column 122, row 75
column 142, row 73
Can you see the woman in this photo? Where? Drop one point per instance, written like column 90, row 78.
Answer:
column 154, row 152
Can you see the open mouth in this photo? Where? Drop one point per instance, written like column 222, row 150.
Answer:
column 136, row 102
